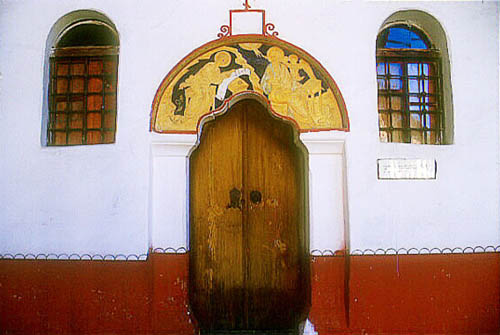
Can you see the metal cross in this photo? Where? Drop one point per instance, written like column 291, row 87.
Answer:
column 247, row 6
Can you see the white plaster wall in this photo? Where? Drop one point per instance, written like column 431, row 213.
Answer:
column 458, row 209
column 97, row 199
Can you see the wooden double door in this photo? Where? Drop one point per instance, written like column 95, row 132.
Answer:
column 249, row 267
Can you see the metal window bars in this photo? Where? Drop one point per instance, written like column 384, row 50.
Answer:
column 409, row 96
column 82, row 96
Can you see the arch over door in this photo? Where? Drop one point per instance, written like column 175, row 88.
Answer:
column 249, row 265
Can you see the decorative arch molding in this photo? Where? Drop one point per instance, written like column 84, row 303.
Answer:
column 245, row 95
column 74, row 18
column 294, row 84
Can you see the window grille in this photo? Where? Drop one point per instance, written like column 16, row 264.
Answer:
column 409, row 88
column 82, row 91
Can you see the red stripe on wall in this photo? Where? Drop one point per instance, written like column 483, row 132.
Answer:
column 170, row 294
column 327, row 299
column 95, row 297
column 405, row 294
column 409, row 294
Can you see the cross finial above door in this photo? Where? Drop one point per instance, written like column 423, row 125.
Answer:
column 247, row 21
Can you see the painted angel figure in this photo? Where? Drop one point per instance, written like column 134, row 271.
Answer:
column 200, row 89
column 277, row 81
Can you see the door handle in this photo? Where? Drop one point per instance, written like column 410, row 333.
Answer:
column 256, row 197
column 235, row 200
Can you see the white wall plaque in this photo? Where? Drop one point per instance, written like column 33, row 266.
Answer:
column 393, row 168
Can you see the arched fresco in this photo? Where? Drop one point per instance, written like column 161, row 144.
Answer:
column 295, row 84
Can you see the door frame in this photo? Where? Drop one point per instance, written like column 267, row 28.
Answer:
column 302, row 159
column 296, row 140
column 326, row 180
column 328, row 228
column 168, row 227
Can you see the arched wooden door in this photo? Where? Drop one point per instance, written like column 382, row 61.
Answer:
column 249, row 266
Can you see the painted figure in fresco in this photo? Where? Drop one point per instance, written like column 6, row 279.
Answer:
column 307, row 86
column 200, row 89
column 293, row 87
column 277, row 81
column 211, row 82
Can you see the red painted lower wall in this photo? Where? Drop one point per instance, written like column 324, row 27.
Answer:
column 95, row 297
column 405, row 294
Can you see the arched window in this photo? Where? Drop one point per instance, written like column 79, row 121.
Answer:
column 83, row 84
column 411, row 107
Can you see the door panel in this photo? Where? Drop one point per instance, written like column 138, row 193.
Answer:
column 216, row 248
column 249, row 266
column 273, row 237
